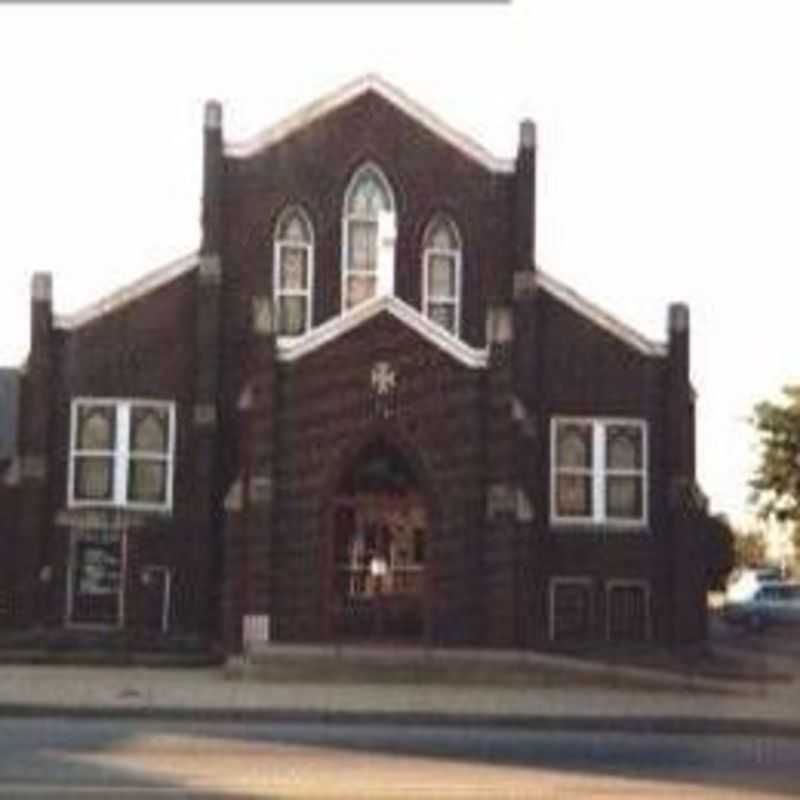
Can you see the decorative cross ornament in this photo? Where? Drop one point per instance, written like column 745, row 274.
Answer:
column 383, row 378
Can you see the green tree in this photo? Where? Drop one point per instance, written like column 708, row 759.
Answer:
column 776, row 485
column 750, row 549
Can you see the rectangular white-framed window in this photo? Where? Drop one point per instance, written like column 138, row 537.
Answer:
column 121, row 453
column 571, row 606
column 598, row 471
column 628, row 610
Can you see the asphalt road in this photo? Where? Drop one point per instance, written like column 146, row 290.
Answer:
column 778, row 642
column 41, row 758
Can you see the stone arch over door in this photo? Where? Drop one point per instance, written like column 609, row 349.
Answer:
column 377, row 561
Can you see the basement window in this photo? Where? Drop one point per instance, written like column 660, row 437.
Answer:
column 571, row 609
column 598, row 471
column 627, row 611
column 121, row 453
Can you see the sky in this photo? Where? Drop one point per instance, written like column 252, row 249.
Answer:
column 668, row 161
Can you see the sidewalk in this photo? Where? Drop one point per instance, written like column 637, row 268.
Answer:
column 212, row 693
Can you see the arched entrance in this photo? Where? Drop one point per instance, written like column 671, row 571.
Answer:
column 379, row 550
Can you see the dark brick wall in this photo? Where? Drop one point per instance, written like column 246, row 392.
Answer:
column 325, row 403
column 313, row 168
column 9, row 500
column 584, row 370
column 488, row 573
column 144, row 349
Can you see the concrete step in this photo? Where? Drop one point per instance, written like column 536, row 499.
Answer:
column 421, row 665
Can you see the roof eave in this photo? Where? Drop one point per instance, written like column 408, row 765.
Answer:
column 127, row 294
column 291, row 349
column 599, row 316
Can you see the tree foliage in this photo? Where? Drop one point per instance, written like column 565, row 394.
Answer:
column 750, row 549
column 776, row 485
column 720, row 551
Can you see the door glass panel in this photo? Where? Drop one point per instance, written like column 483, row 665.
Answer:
column 379, row 551
column 96, row 564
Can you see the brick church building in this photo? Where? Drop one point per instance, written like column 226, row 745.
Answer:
column 360, row 412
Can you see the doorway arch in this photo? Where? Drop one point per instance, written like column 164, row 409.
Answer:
column 379, row 549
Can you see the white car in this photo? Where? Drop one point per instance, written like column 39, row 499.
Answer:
column 744, row 583
column 773, row 603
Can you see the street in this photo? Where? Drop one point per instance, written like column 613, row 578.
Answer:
column 48, row 758
column 778, row 643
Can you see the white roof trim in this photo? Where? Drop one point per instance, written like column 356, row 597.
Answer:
column 598, row 316
column 291, row 349
column 133, row 291
column 343, row 95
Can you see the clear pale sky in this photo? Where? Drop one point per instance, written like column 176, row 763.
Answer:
column 669, row 158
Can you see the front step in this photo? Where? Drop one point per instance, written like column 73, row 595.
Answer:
column 364, row 664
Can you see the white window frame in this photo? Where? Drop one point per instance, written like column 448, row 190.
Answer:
column 121, row 453
column 278, row 246
column 456, row 255
column 386, row 239
column 584, row 581
column 599, row 473
column 630, row 583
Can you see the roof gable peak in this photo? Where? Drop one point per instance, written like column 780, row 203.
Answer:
column 370, row 82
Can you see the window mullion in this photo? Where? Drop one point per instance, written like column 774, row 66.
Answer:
column 598, row 472
column 121, row 454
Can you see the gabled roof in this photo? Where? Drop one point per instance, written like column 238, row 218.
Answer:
column 290, row 349
column 350, row 91
column 593, row 313
column 127, row 294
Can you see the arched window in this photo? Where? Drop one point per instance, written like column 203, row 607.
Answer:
column 441, row 278
column 367, row 238
column 293, row 276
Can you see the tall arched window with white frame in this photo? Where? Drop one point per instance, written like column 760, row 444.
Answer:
column 368, row 237
column 293, row 272
column 441, row 278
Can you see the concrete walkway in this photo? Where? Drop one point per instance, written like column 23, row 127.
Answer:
column 205, row 693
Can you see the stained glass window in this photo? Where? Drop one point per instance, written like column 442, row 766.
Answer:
column 293, row 275
column 94, row 456
column 93, row 477
column 575, row 446
column 147, row 470
column 368, row 237
column 441, row 279
column 624, row 476
column 599, row 471
column 149, row 429
column 147, row 481
column 121, row 453
column 96, row 428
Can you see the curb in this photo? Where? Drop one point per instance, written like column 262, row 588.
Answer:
column 672, row 725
